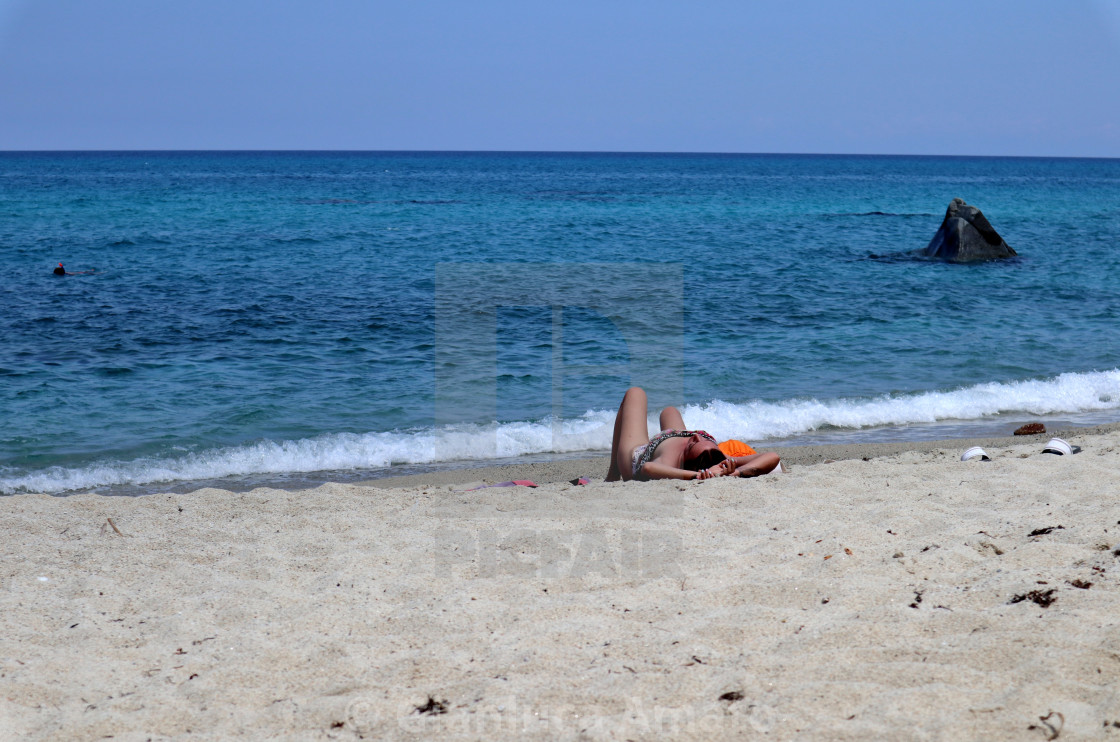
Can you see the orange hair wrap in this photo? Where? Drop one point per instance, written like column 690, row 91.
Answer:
column 734, row 448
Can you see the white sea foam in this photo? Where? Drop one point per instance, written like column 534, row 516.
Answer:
column 751, row 421
column 335, row 452
column 1065, row 394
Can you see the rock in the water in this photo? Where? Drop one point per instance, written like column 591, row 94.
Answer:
column 1030, row 429
column 966, row 236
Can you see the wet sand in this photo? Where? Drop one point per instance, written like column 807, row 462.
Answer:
column 595, row 468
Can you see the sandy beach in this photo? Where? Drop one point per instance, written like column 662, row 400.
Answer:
column 872, row 592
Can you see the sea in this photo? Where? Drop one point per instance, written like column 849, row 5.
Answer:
column 243, row 319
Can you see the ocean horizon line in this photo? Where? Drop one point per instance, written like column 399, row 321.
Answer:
column 557, row 152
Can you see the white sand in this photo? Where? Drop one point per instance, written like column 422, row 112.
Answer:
column 609, row 611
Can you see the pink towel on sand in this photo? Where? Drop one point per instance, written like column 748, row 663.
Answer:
column 514, row 483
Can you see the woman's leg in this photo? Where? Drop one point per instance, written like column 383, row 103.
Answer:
column 630, row 431
column 671, row 419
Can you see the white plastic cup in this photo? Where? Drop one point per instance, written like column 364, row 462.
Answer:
column 975, row 452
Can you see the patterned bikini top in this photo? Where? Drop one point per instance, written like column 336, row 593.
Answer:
column 665, row 435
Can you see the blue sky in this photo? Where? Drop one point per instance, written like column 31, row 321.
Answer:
column 983, row 77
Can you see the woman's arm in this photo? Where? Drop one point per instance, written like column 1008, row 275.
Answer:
column 657, row 470
column 755, row 465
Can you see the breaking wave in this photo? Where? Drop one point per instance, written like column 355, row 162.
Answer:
column 753, row 420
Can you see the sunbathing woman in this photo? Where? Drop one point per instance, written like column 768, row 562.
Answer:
column 674, row 453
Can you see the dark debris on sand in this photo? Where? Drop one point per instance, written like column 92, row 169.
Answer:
column 432, row 707
column 1053, row 729
column 1039, row 597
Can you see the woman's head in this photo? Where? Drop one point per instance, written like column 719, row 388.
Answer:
column 701, row 453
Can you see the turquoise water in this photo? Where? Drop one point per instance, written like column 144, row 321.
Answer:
column 266, row 317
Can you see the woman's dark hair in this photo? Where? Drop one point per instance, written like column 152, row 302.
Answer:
column 704, row 460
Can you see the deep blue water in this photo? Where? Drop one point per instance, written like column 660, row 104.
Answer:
column 269, row 315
